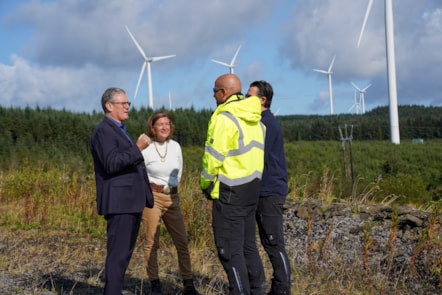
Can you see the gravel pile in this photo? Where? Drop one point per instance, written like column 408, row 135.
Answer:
column 397, row 244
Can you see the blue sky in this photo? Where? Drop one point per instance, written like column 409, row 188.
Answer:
column 64, row 54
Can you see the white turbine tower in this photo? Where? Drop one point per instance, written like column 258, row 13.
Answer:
column 232, row 63
column 329, row 73
column 391, row 66
column 361, row 95
column 170, row 102
column 355, row 105
column 146, row 63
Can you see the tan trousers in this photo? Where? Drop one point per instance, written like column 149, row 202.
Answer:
column 167, row 208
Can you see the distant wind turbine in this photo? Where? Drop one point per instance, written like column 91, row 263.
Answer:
column 277, row 111
column 355, row 105
column 391, row 66
column 361, row 95
column 232, row 64
column 329, row 73
column 146, row 63
column 170, row 102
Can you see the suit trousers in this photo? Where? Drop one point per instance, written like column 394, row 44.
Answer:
column 167, row 208
column 122, row 232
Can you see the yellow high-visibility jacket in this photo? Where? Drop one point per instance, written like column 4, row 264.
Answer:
column 234, row 148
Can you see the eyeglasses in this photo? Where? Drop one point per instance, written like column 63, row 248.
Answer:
column 123, row 103
column 216, row 89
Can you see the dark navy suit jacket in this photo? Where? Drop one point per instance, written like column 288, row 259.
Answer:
column 120, row 173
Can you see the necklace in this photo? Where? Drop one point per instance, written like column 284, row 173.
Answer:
column 162, row 158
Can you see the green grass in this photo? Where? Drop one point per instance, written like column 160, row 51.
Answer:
column 49, row 213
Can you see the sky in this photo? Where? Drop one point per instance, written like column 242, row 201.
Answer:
column 63, row 54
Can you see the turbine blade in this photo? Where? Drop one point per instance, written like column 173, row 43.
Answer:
column 370, row 2
column 139, row 79
column 321, row 71
column 331, row 64
column 355, row 86
column 157, row 58
column 277, row 111
column 136, row 44
column 221, row 63
column 234, row 57
column 366, row 87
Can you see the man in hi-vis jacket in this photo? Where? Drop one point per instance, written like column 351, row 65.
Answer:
column 233, row 162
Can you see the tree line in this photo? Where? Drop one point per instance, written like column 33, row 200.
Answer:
column 414, row 122
column 58, row 133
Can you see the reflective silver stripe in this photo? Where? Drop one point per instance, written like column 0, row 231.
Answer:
column 214, row 153
column 245, row 149
column 263, row 128
column 238, row 281
column 207, row 176
column 235, row 121
column 286, row 266
column 241, row 180
column 242, row 148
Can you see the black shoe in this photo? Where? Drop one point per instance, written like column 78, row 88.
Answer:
column 190, row 290
column 156, row 288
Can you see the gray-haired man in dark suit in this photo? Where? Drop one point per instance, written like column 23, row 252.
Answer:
column 122, row 185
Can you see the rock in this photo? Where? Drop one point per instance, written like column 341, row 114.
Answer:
column 394, row 240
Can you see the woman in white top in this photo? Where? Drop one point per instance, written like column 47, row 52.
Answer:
column 164, row 164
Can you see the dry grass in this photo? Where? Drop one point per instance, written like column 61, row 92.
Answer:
column 73, row 264
column 52, row 238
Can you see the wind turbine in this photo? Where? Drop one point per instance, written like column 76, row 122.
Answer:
column 232, row 63
column 146, row 63
column 391, row 66
column 329, row 74
column 361, row 95
column 170, row 102
column 277, row 111
column 355, row 104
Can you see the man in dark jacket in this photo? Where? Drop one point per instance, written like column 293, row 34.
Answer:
column 122, row 185
column 273, row 192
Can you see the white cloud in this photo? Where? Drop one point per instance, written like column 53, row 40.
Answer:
column 74, row 49
column 321, row 29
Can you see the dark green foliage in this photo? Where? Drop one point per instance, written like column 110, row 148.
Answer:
column 409, row 188
column 414, row 122
column 51, row 138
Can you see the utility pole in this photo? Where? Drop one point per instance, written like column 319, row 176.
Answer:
column 344, row 140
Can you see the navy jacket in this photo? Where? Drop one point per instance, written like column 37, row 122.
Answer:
column 274, row 176
column 121, row 179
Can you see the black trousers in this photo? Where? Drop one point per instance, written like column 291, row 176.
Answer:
column 270, row 225
column 122, row 232
column 234, row 229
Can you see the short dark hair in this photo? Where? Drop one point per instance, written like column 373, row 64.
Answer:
column 264, row 89
column 108, row 95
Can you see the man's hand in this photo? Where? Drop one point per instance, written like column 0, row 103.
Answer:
column 143, row 141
